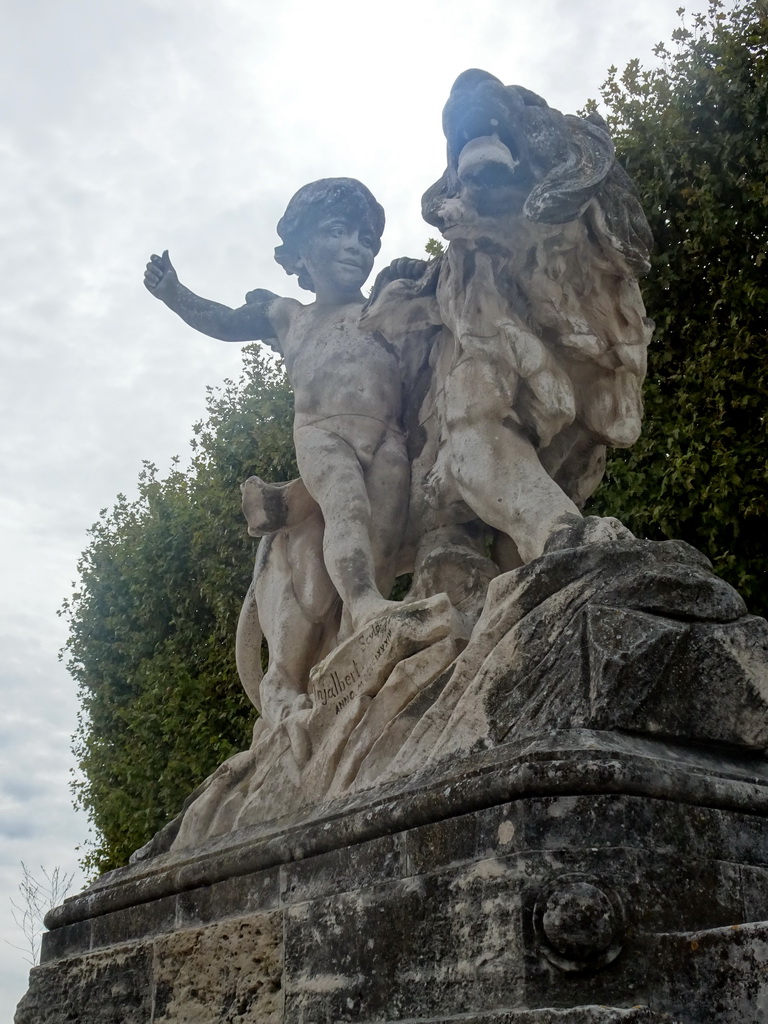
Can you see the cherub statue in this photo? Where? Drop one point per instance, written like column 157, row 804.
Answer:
column 348, row 434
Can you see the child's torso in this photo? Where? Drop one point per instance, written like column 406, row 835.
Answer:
column 336, row 369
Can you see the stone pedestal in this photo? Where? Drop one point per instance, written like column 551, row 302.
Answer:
column 574, row 878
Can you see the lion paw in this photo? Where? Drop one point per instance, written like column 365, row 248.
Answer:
column 587, row 530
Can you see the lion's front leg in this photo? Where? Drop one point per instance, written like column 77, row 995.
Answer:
column 494, row 466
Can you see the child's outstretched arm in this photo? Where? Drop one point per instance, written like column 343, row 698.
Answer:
column 251, row 322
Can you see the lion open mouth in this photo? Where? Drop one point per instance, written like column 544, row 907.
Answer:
column 486, row 147
column 487, row 162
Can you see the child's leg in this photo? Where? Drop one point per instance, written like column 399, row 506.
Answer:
column 334, row 477
column 387, row 481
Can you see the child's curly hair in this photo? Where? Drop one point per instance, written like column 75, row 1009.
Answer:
column 347, row 196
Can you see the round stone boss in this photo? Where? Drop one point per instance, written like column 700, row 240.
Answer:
column 580, row 922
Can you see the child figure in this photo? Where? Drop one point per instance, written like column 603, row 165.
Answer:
column 347, row 384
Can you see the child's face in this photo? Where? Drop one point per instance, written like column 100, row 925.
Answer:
column 338, row 256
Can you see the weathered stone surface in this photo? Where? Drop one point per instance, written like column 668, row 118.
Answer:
column 577, row 1015
column 754, row 889
column 606, row 636
column 362, row 664
column 345, row 870
column 534, row 792
column 589, row 907
column 315, row 752
column 230, row 973
column 630, row 637
column 232, row 897
column 492, row 381
column 131, row 923
column 103, row 988
column 557, row 767
column 539, row 330
column 323, row 541
column 719, row 975
column 68, row 940
column 581, row 922
column 435, row 943
column 499, row 372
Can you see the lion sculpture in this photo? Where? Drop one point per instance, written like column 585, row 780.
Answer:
column 537, row 330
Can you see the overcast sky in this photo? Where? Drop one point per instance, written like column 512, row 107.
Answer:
column 130, row 126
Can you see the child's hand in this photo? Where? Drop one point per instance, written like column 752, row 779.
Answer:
column 406, row 268
column 160, row 278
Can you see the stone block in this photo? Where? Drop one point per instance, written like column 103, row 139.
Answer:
column 140, row 922
column 441, row 844
column 557, row 822
column 228, row 973
column 715, row 977
column 754, row 888
column 234, row 897
column 66, row 942
column 348, row 869
column 102, row 988
column 419, row 902
column 409, row 948
column 654, row 676
column 682, row 892
column 669, row 827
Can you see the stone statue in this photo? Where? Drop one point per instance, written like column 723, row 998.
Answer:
column 540, row 350
column 347, row 429
column 536, row 789
column 500, row 371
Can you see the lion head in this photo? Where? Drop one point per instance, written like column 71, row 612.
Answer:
column 511, row 155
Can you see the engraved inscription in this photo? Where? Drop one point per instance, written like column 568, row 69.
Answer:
column 338, row 688
column 333, row 685
column 378, row 634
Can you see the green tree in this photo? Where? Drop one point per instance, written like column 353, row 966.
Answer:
column 152, row 619
column 692, row 134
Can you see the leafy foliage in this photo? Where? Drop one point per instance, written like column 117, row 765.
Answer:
column 691, row 133
column 153, row 619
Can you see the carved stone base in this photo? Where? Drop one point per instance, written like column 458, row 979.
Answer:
column 626, row 635
column 573, row 878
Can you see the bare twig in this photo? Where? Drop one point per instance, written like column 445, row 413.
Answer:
column 36, row 897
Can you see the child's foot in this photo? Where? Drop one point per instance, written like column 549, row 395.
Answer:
column 372, row 608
